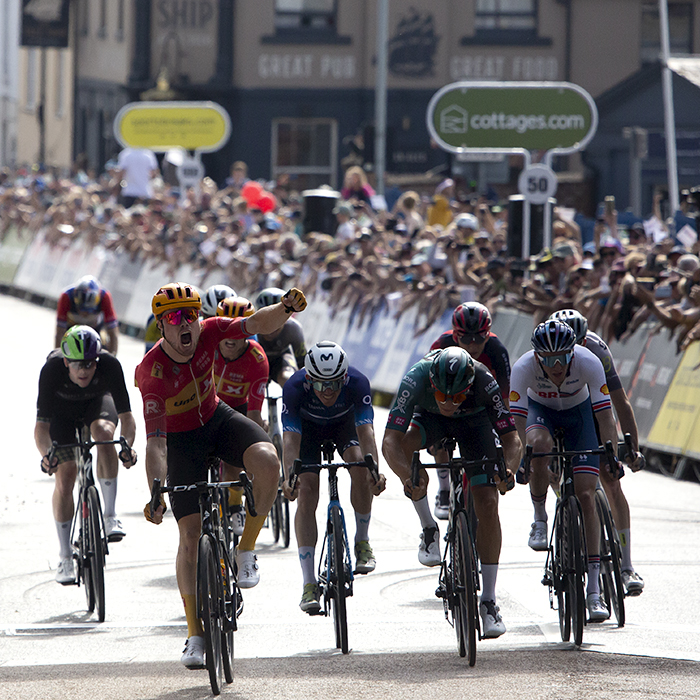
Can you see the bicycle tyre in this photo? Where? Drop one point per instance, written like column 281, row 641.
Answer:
column 612, row 587
column 285, row 530
column 559, row 563
column 466, row 603
column 336, row 551
column 575, row 567
column 96, row 551
column 83, row 557
column 275, row 519
column 228, row 622
column 209, row 599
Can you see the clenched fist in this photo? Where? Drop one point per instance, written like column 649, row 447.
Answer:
column 294, row 300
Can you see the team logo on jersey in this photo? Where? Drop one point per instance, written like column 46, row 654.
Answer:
column 514, row 396
column 604, row 390
column 258, row 354
column 157, row 370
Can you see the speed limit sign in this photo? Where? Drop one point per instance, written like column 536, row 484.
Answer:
column 537, row 183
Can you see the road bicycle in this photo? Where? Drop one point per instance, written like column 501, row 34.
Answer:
column 219, row 599
column 611, row 586
column 88, row 528
column 335, row 572
column 279, row 513
column 459, row 580
column 566, row 564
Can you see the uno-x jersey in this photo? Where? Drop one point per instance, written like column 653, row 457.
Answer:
column 585, row 378
column 67, row 314
column 300, row 402
column 292, row 335
column 416, row 392
column 180, row 396
column 243, row 380
column 597, row 346
column 495, row 357
column 56, row 387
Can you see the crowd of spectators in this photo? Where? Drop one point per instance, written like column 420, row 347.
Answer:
column 434, row 249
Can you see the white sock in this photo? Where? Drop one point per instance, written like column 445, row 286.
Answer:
column 362, row 527
column 593, row 587
column 540, row 506
column 625, row 550
column 423, row 510
column 64, row 548
column 444, row 479
column 488, row 581
column 306, row 559
column 109, row 495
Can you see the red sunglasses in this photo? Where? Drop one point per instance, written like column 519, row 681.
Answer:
column 452, row 398
column 174, row 318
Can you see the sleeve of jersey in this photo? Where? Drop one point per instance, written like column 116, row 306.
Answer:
column 611, row 377
column 442, row 342
column 402, row 409
column 108, row 311
column 291, row 402
column 154, row 414
column 233, row 328
column 362, row 398
column 62, row 310
column 595, row 376
column 518, row 388
column 500, row 416
column 258, row 382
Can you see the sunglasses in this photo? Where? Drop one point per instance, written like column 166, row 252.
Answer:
column 174, row 318
column 472, row 338
column 332, row 385
column 562, row 358
column 84, row 364
column 452, row 398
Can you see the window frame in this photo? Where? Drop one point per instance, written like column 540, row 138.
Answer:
column 306, row 35
column 650, row 53
column 507, row 36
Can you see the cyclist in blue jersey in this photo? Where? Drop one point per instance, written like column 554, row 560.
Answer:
column 328, row 400
column 471, row 331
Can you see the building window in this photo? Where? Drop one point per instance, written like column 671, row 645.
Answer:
column 32, row 72
column 305, row 150
column 119, row 34
column 305, row 15
column 680, row 28
column 60, row 83
column 102, row 29
column 508, row 15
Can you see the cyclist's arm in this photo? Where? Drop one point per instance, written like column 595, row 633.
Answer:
column 291, row 444
column 606, row 425
column 368, row 443
column 270, row 318
column 392, row 449
column 61, row 317
column 128, row 431
column 512, row 450
column 113, row 340
column 256, row 416
column 156, row 468
column 42, row 438
column 625, row 414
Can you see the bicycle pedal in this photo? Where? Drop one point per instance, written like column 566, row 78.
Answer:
column 440, row 593
column 547, row 580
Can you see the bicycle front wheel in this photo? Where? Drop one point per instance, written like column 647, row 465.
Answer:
column 229, row 619
column 95, row 552
column 338, row 579
column 574, row 566
column 209, row 599
column 610, row 568
column 275, row 519
column 464, row 571
column 285, row 531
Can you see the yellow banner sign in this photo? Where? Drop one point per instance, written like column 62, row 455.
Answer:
column 160, row 126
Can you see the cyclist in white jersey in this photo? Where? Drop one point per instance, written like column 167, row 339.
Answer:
column 559, row 384
column 632, row 581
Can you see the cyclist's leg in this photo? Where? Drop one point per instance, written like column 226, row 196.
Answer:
column 538, row 433
column 102, row 418
column 189, row 527
column 305, row 526
column 285, row 367
column 621, row 514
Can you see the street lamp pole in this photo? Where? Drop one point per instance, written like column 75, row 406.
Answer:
column 380, row 92
column 669, row 117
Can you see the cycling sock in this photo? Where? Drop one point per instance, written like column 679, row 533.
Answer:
column 539, row 503
column 306, row 559
column 488, row 581
column 593, row 587
column 194, row 626
column 109, row 495
column 444, row 479
column 235, row 496
column 252, row 528
column 423, row 510
column 64, row 548
column 362, row 527
column 625, row 550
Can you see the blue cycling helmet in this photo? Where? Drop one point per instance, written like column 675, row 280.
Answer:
column 87, row 294
column 553, row 336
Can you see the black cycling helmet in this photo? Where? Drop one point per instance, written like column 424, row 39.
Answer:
column 452, row 371
column 471, row 318
column 553, row 336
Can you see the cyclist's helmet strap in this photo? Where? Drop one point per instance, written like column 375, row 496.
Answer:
column 553, row 336
column 326, row 361
column 452, row 370
column 81, row 343
column 176, row 295
column 574, row 319
column 471, row 318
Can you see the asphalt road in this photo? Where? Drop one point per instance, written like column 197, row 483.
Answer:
column 402, row 647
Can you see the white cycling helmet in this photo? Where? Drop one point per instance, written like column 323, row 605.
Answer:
column 213, row 296
column 574, row 319
column 269, row 296
column 325, row 362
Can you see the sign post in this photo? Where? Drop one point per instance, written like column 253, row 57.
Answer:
column 515, row 118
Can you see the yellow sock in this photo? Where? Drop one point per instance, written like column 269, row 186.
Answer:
column 235, row 496
column 194, row 625
column 251, row 531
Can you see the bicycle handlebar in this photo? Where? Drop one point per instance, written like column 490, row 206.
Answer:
column 243, row 482
column 299, row 468
column 461, row 463
column 125, row 453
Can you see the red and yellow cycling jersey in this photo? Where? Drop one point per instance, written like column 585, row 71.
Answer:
column 180, row 396
column 242, row 380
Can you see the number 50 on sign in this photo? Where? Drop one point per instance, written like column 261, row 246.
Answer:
column 537, row 183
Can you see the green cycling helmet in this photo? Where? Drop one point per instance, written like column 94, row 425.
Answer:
column 452, row 371
column 81, row 343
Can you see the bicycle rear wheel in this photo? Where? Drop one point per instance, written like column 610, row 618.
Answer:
column 575, row 566
column 95, row 552
column 285, row 531
column 209, row 599
column 610, row 568
column 275, row 519
column 338, row 579
column 559, row 558
column 464, row 589
column 228, row 622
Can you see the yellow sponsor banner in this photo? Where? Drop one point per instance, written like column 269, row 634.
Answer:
column 675, row 425
column 160, row 126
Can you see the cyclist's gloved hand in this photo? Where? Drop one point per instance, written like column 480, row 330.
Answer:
column 638, row 463
column 379, row 485
column 415, row 493
column 49, row 467
column 289, row 494
column 505, row 485
column 294, row 300
column 157, row 517
column 130, row 460
column 520, row 476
